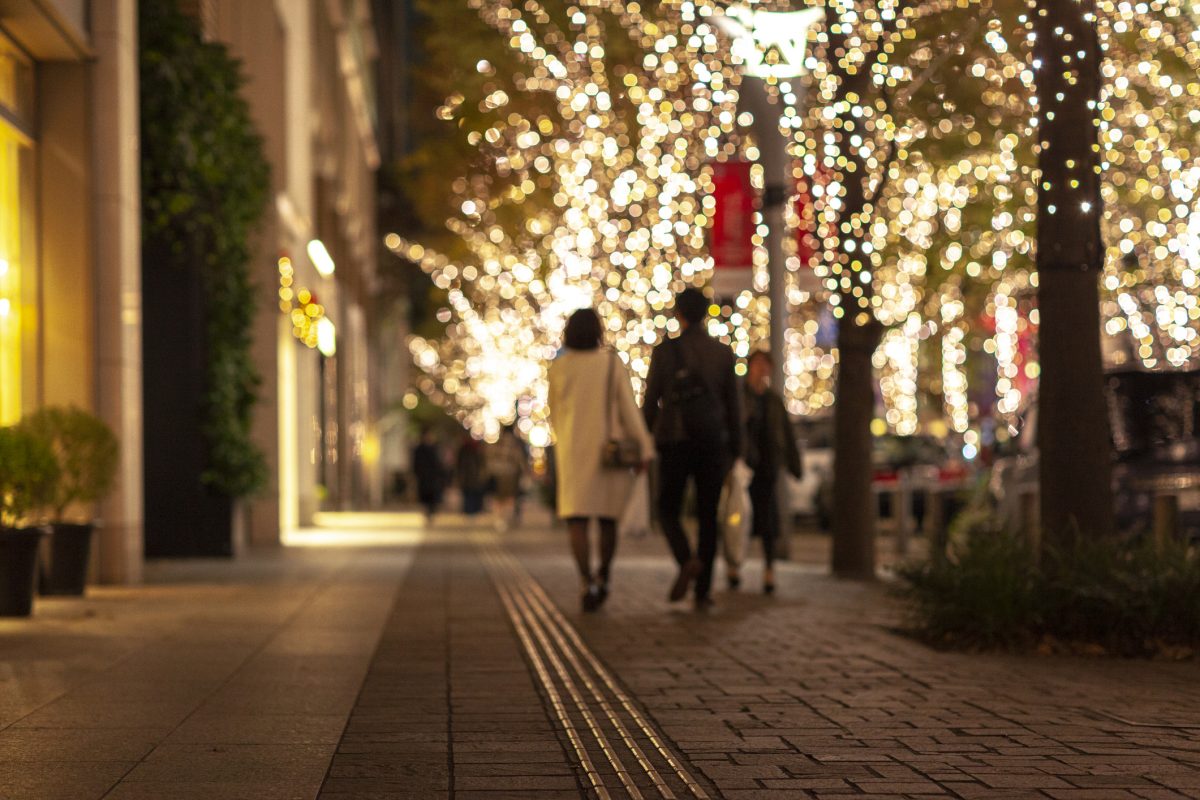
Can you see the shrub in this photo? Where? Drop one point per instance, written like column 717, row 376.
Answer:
column 983, row 594
column 28, row 472
column 86, row 452
column 1129, row 598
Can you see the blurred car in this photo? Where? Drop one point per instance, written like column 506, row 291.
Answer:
column 925, row 463
column 808, row 495
column 1154, row 419
column 936, row 458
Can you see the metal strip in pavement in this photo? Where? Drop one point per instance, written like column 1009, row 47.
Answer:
column 552, row 692
column 598, row 694
column 567, row 637
column 581, row 704
column 537, row 617
column 626, row 701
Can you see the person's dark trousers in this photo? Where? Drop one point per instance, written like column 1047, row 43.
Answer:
column 706, row 466
column 765, row 522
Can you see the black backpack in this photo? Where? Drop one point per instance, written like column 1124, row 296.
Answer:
column 691, row 410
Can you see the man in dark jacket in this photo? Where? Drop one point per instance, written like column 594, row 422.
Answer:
column 693, row 407
column 770, row 448
column 430, row 473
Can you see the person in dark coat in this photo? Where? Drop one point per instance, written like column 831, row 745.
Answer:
column 693, row 408
column 770, row 448
column 470, row 470
column 430, row 473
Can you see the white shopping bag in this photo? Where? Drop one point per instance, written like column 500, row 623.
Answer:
column 635, row 519
column 734, row 513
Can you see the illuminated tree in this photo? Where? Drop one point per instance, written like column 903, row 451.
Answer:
column 948, row 127
column 589, row 189
column 578, row 168
column 884, row 116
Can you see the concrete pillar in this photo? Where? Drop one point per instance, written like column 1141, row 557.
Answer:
column 299, row 377
column 256, row 36
column 118, row 278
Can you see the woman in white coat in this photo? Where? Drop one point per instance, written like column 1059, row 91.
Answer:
column 589, row 385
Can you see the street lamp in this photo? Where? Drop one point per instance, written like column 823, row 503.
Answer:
column 320, row 257
column 771, row 46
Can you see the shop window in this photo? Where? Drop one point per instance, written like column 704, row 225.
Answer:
column 16, row 278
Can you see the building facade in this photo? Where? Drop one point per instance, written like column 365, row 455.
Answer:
column 69, row 239
column 71, row 327
column 310, row 86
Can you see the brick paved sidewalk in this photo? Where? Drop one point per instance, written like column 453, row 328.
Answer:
column 457, row 664
column 809, row 694
column 448, row 704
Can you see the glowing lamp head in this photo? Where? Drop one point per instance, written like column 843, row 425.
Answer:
column 320, row 258
column 326, row 337
column 771, row 44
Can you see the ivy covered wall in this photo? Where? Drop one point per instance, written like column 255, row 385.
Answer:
column 205, row 186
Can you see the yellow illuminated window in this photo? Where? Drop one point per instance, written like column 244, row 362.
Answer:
column 10, row 276
column 16, row 98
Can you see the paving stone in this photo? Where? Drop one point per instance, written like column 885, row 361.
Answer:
column 66, row 745
column 60, row 781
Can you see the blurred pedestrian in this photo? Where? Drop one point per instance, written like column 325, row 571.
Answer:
column 507, row 465
column 470, row 471
column 770, row 448
column 601, row 439
column 430, row 473
column 693, row 406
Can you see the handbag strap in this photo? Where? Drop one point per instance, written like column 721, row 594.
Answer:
column 608, row 396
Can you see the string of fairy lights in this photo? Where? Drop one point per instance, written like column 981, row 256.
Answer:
column 602, row 197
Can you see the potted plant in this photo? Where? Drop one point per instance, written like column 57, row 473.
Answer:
column 86, row 452
column 28, row 472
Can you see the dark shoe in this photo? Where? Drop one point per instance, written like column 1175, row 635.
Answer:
column 734, row 581
column 703, row 603
column 687, row 573
column 592, row 599
column 768, row 589
column 602, row 591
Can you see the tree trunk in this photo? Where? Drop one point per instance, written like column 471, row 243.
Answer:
column 853, row 503
column 859, row 332
column 1073, row 437
column 1073, row 434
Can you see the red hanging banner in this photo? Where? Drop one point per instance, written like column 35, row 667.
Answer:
column 730, row 243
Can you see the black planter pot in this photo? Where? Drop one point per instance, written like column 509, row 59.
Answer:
column 65, row 561
column 18, row 569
